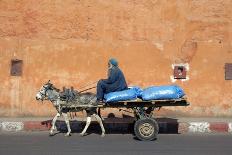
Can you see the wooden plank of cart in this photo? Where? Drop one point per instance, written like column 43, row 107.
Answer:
column 145, row 127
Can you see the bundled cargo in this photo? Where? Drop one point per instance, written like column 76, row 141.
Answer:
column 138, row 91
column 162, row 92
column 130, row 94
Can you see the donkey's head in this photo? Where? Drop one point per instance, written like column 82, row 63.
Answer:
column 46, row 92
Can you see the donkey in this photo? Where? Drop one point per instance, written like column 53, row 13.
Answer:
column 88, row 100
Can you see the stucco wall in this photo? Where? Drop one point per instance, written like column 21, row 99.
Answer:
column 69, row 42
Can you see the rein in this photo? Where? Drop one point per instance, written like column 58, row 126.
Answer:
column 86, row 90
column 88, row 84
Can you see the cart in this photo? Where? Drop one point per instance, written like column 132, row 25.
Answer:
column 145, row 126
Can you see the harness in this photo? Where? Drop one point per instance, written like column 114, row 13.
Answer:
column 68, row 95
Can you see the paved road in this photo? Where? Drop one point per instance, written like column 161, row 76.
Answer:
column 185, row 144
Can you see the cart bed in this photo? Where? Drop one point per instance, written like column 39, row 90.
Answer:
column 151, row 103
column 138, row 103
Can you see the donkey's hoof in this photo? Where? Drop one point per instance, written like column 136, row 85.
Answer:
column 51, row 134
column 103, row 135
column 67, row 135
column 83, row 134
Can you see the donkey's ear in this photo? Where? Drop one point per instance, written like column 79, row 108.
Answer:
column 49, row 81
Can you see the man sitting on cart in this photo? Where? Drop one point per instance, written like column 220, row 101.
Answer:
column 115, row 82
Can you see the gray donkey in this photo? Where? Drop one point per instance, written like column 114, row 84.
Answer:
column 86, row 101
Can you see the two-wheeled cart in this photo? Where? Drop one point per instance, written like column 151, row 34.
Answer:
column 145, row 126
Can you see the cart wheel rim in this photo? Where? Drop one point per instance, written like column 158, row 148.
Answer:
column 146, row 129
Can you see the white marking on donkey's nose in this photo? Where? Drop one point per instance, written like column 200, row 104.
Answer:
column 37, row 97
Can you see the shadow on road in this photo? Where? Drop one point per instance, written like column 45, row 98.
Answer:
column 115, row 125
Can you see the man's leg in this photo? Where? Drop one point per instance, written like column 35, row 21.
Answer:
column 101, row 86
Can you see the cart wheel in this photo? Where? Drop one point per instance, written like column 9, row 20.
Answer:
column 146, row 129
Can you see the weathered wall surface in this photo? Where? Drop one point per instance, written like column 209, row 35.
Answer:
column 70, row 42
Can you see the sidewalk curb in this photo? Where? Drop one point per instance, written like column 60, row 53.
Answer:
column 119, row 126
column 209, row 127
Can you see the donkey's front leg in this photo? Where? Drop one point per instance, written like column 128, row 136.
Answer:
column 88, row 121
column 54, row 124
column 65, row 115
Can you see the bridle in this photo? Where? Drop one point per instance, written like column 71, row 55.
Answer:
column 44, row 95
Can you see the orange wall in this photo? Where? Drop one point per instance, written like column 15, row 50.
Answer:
column 70, row 42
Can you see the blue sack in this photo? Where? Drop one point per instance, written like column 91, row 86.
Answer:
column 138, row 90
column 129, row 94
column 162, row 92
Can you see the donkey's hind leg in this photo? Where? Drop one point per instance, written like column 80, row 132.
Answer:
column 54, row 124
column 99, row 120
column 65, row 115
column 88, row 121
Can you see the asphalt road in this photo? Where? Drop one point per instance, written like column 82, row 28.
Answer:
column 171, row 144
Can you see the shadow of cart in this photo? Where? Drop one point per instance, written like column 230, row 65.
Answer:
column 115, row 125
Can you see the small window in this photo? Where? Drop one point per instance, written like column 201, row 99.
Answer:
column 228, row 71
column 179, row 72
column 16, row 67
